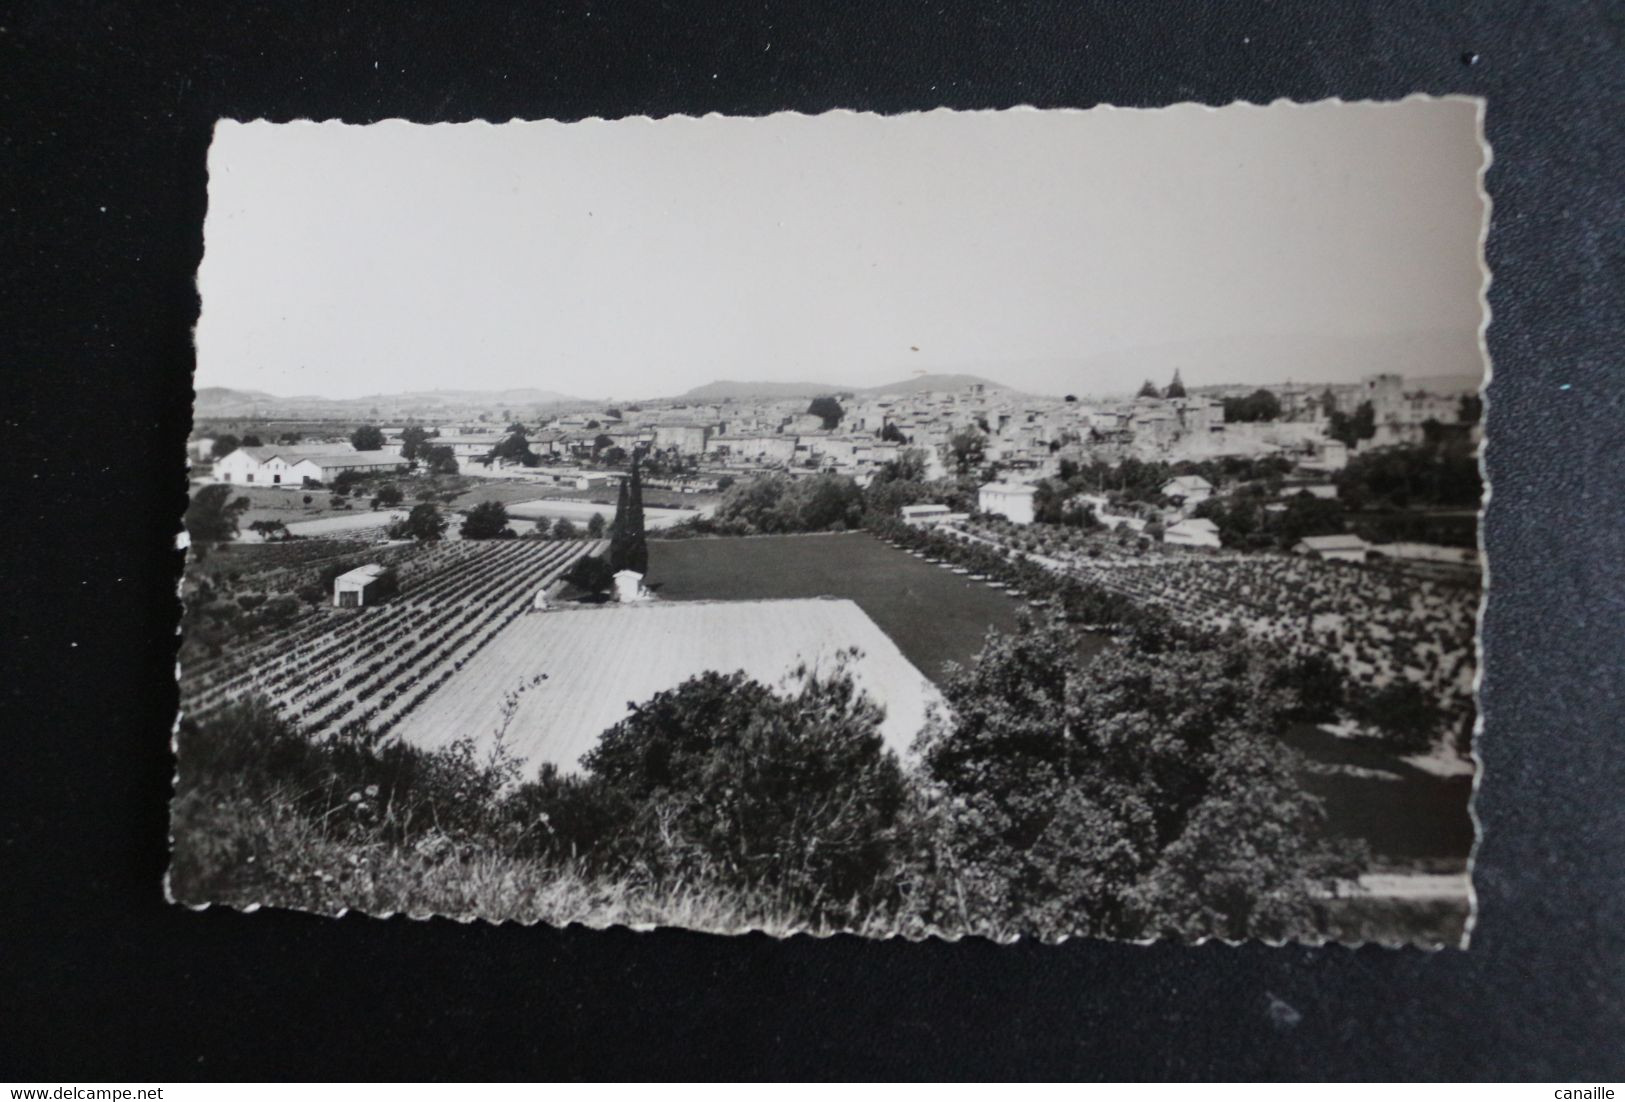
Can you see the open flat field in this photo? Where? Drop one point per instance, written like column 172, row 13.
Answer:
column 933, row 615
column 599, row 660
column 580, row 512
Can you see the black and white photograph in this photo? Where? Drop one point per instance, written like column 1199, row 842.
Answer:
column 1017, row 524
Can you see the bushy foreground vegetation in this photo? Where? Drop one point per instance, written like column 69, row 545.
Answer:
column 1053, row 800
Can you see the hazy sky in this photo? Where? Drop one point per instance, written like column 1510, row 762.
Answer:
column 1053, row 251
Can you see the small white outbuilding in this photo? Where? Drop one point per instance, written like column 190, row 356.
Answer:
column 1011, row 500
column 1192, row 532
column 350, row 588
column 629, row 587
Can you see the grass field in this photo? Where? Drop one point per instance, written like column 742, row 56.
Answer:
column 598, row 660
column 933, row 615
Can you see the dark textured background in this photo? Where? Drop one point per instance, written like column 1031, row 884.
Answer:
column 105, row 115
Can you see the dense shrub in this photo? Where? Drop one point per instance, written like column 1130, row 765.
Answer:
column 487, row 521
column 779, row 504
column 1145, row 797
column 727, row 780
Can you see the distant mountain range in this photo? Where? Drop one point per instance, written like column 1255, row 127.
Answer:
column 219, row 401
column 1441, row 361
column 725, row 390
column 1307, row 359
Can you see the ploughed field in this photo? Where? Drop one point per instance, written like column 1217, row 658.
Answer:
column 554, row 681
column 934, row 615
column 331, row 667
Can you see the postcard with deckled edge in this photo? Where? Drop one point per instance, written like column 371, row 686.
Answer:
column 1015, row 524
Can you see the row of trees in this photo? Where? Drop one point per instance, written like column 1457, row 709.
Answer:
column 1148, row 389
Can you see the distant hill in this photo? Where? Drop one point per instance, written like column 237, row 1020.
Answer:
column 731, row 390
column 218, row 401
column 921, row 383
column 515, row 396
column 222, row 395
column 1307, row 359
column 724, row 390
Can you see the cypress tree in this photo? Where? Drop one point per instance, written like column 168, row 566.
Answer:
column 617, row 532
column 1176, row 389
column 637, row 544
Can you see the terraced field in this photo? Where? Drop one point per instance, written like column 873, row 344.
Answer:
column 332, row 667
column 599, row 660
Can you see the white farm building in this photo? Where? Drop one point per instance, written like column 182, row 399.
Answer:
column 1192, row 532
column 290, row 466
column 1011, row 500
column 1345, row 548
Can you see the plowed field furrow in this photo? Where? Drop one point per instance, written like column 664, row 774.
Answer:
column 377, row 664
column 600, row 660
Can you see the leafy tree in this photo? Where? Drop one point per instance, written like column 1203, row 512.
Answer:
column 1404, row 713
column 614, row 456
column 601, row 441
column 1260, row 405
column 724, row 482
column 777, row 503
column 590, row 574
column 893, row 434
column 367, row 438
column 1148, row 389
column 1307, row 515
column 1316, row 687
column 967, row 449
column 909, row 466
column 828, row 409
column 1351, row 429
column 424, row 523
column 389, row 496
column 412, row 441
column 1113, row 800
column 1471, row 409
column 1445, row 475
column 725, row 780
column 223, row 445
column 564, row 529
column 438, row 458
column 613, row 412
column 252, row 441
column 269, row 529
column 1237, row 519
column 595, row 526
column 212, row 515
column 290, row 438
column 346, row 481
column 514, row 447
column 487, row 521
column 1176, row 388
